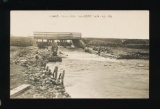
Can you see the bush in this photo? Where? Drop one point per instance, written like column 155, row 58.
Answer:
column 88, row 50
column 136, row 55
column 21, row 41
column 138, row 46
column 42, row 45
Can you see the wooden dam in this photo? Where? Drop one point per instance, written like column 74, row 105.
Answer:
column 48, row 37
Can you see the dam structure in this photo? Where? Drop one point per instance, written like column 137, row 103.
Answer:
column 62, row 37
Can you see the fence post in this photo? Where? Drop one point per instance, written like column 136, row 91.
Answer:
column 63, row 77
column 60, row 76
column 50, row 71
column 56, row 72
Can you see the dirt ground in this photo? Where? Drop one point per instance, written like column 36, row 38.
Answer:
column 16, row 71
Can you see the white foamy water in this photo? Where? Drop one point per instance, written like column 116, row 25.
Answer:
column 88, row 56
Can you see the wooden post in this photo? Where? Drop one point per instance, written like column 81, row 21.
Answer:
column 45, row 65
column 47, row 68
column 50, row 71
column 59, row 76
column 61, row 43
column 37, row 42
column 47, row 41
column 62, row 77
column 55, row 72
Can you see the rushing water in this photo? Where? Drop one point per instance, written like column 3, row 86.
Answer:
column 91, row 76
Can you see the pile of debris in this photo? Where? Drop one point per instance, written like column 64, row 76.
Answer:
column 135, row 55
column 47, row 83
column 44, row 82
column 54, row 59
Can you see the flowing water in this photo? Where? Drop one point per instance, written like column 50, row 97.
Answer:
column 91, row 76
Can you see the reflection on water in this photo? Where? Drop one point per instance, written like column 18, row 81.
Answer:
column 91, row 76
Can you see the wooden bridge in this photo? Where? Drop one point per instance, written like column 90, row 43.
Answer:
column 62, row 36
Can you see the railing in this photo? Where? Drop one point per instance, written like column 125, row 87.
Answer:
column 56, row 35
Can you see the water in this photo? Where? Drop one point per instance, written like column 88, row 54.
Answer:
column 91, row 76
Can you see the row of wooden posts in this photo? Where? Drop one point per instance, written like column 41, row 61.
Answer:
column 60, row 42
column 55, row 74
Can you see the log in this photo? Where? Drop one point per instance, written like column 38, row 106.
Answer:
column 19, row 90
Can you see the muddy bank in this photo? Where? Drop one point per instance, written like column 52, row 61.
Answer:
column 119, row 52
column 24, row 68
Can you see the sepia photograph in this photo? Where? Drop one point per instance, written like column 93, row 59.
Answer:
column 71, row 54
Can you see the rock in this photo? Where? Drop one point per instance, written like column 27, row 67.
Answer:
column 38, row 96
column 25, row 80
column 53, row 82
column 43, row 76
column 58, row 87
column 31, row 78
column 58, row 83
column 140, row 65
column 63, row 90
column 51, row 76
column 66, row 94
column 25, row 75
column 50, row 90
column 53, row 95
column 48, row 82
column 42, row 87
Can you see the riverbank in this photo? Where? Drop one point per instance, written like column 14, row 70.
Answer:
column 24, row 68
column 88, row 75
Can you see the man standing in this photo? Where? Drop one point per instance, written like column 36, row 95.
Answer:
column 54, row 48
column 99, row 51
column 36, row 57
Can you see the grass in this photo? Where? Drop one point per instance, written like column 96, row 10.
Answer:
column 21, row 41
column 128, row 43
column 122, row 48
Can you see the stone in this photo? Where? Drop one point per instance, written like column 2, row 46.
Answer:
column 58, row 87
column 38, row 96
column 42, row 87
column 63, row 90
column 140, row 65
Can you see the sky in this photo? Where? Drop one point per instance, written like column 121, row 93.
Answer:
column 93, row 23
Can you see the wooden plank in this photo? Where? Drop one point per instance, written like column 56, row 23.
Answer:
column 18, row 90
